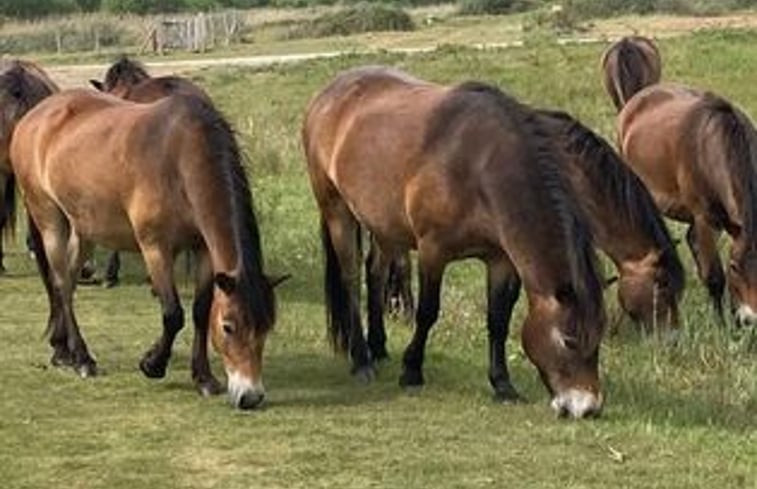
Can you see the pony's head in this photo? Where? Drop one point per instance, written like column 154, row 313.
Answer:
column 238, row 334
column 564, row 347
column 742, row 282
column 649, row 289
column 122, row 75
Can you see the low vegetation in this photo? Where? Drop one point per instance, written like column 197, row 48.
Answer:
column 363, row 17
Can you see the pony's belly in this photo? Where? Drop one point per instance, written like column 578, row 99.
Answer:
column 106, row 227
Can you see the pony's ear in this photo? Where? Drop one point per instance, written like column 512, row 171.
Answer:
column 276, row 280
column 225, row 282
column 97, row 84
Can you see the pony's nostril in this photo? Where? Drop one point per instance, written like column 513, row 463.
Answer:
column 250, row 400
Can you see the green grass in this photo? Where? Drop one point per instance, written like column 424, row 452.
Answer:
column 676, row 417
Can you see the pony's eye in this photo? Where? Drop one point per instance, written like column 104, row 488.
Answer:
column 228, row 328
column 570, row 343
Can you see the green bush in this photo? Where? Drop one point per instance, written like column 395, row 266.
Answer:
column 27, row 9
column 493, row 7
column 363, row 17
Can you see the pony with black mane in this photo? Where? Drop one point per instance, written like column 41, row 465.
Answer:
column 629, row 65
column 154, row 178
column 455, row 172
column 697, row 153
column 128, row 79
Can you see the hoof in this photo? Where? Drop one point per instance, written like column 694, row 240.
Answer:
column 110, row 283
column 61, row 357
column 86, row 369
column 505, row 393
column 365, row 374
column 411, row 379
column 152, row 368
column 209, row 386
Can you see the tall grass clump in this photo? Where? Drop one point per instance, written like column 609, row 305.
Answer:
column 362, row 17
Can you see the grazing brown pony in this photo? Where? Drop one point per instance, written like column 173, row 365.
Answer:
column 455, row 172
column 697, row 154
column 629, row 65
column 129, row 80
column 624, row 220
column 35, row 85
column 153, row 178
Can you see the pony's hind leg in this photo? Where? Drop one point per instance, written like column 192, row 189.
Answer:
column 399, row 291
column 62, row 253
column 430, row 271
column 503, row 287
column 203, row 377
column 159, row 263
column 376, row 271
column 702, row 240
column 112, row 269
column 341, row 241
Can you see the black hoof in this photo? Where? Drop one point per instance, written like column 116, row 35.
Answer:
column 152, row 368
column 505, row 393
column 411, row 378
column 61, row 357
column 209, row 386
column 110, row 283
column 365, row 374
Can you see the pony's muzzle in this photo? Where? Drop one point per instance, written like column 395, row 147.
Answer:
column 243, row 392
column 746, row 317
column 577, row 403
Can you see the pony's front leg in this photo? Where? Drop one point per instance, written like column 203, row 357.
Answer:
column 503, row 287
column 159, row 265
column 202, row 376
column 702, row 240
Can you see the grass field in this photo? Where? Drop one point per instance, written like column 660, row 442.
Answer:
column 676, row 417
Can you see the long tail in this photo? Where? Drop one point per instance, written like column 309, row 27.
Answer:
column 338, row 315
column 8, row 223
column 630, row 76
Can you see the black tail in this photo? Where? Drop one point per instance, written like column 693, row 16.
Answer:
column 339, row 315
column 632, row 72
column 8, row 212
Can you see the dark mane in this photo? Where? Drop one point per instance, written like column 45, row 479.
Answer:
column 740, row 142
column 253, row 284
column 125, row 71
column 584, row 286
column 608, row 174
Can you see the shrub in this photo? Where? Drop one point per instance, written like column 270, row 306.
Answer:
column 363, row 17
column 493, row 7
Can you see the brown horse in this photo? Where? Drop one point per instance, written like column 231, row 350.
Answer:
column 35, row 85
column 697, row 153
column 455, row 172
column 629, row 65
column 154, row 178
column 624, row 220
column 129, row 80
